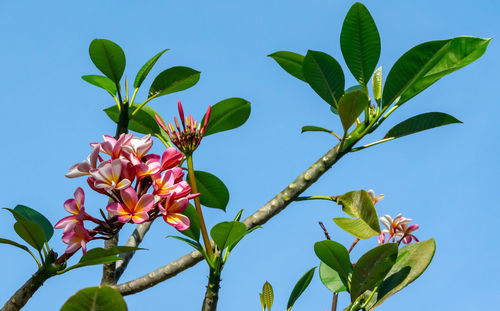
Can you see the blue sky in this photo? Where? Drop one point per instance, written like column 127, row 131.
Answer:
column 445, row 179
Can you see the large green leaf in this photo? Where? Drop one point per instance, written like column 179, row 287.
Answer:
column 102, row 298
column 360, row 43
column 291, row 62
column 359, row 204
column 428, row 62
column 102, row 82
column 336, row 256
column 299, row 288
column 193, row 231
column 324, row 75
column 213, row 191
column 99, row 256
column 267, row 295
column 143, row 72
column 173, row 80
column 420, row 123
column 350, row 107
column 228, row 232
column 143, row 122
column 36, row 217
column 413, row 259
column 108, row 57
column 372, row 267
column 29, row 231
column 227, row 114
column 331, row 279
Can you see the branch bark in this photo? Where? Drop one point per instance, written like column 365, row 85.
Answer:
column 260, row 217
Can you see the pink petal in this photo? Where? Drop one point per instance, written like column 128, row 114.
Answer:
column 124, row 183
column 178, row 206
column 178, row 221
column 124, row 218
column 71, row 206
column 113, row 207
column 79, row 197
column 129, row 197
column 145, row 203
column 140, row 218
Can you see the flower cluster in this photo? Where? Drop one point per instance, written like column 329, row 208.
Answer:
column 397, row 228
column 126, row 177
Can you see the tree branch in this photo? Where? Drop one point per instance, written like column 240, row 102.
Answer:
column 260, row 217
column 23, row 294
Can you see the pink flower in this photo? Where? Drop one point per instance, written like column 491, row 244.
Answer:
column 151, row 167
column 170, row 158
column 76, row 238
column 76, row 208
column 83, row 168
column 172, row 213
column 131, row 208
column 108, row 176
column 165, row 184
column 138, row 148
column 397, row 228
column 408, row 237
column 113, row 147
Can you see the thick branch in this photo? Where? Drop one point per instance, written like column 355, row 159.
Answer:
column 22, row 295
column 260, row 217
column 134, row 241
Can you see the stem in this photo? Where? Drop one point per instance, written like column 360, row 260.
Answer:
column 140, row 106
column 334, row 301
column 212, row 293
column 372, row 144
column 192, row 182
column 353, row 244
column 133, row 96
column 314, row 197
column 369, row 298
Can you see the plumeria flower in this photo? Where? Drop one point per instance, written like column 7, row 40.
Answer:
column 108, row 176
column 113, row 147
column 172, row 213
column 170, row 158
column 408, row 237
column 83, row 168
column 150, row 167
column 76, row 208
column 131, row 208
column 138, row 148
column 392, row 227
column 76, row 238
column 165, row 184
column 189, row 137
column 374, row 198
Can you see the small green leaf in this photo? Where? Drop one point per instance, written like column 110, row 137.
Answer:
column 428, row 62
column 173, row 80
column 413, row 260
column 194, row 244
column 228, row 232
column 262, row 303
column 102, row 298
column 34, row 216
column 144, row 71
column 213, row 191
column 193, row 231
column 299, row 288
column 102, row 82
column 420, row 123
column 108, row 57
column 241, row 237
column 9, row 242
column 29, row 231
column 350, row 106
column 372, row 267
column 377, row 84
column 358, row 204
column 324, row 75
column 360, row 43
column 268, row 295
column 238, row 216
column 143, row 122
column 331, row 279
column 356, row 227
column 226, row 115
column 310, row 128
column 291, row 62
column 336, row 256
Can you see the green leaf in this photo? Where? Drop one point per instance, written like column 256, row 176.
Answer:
column 108, row 57
column 228, row 232
column 29, row 231
column 98, row 256
column 102, row 82
column 143, row 122
column 377, row 84
column 144, row 71
column 241, row 237
column 420, row 123
column 360, row 43
column 358, row 204
column 9, row 242
column 324, row 75
column 331, row 279
column 262, row 303
column 226, row 115
column 34, row 216
column 267, row 295
column 196, row 245
column 350, row 106
column 213, row 191
column 336, row 256
column 238, row 216
column 173, row 80
column 356, row 227
column 102, row 298
column 310, row 128
column 413, row 260
column 299, row 288
column 428, row 62
column 193, row 231
column 372, row 267
column 291, row 62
